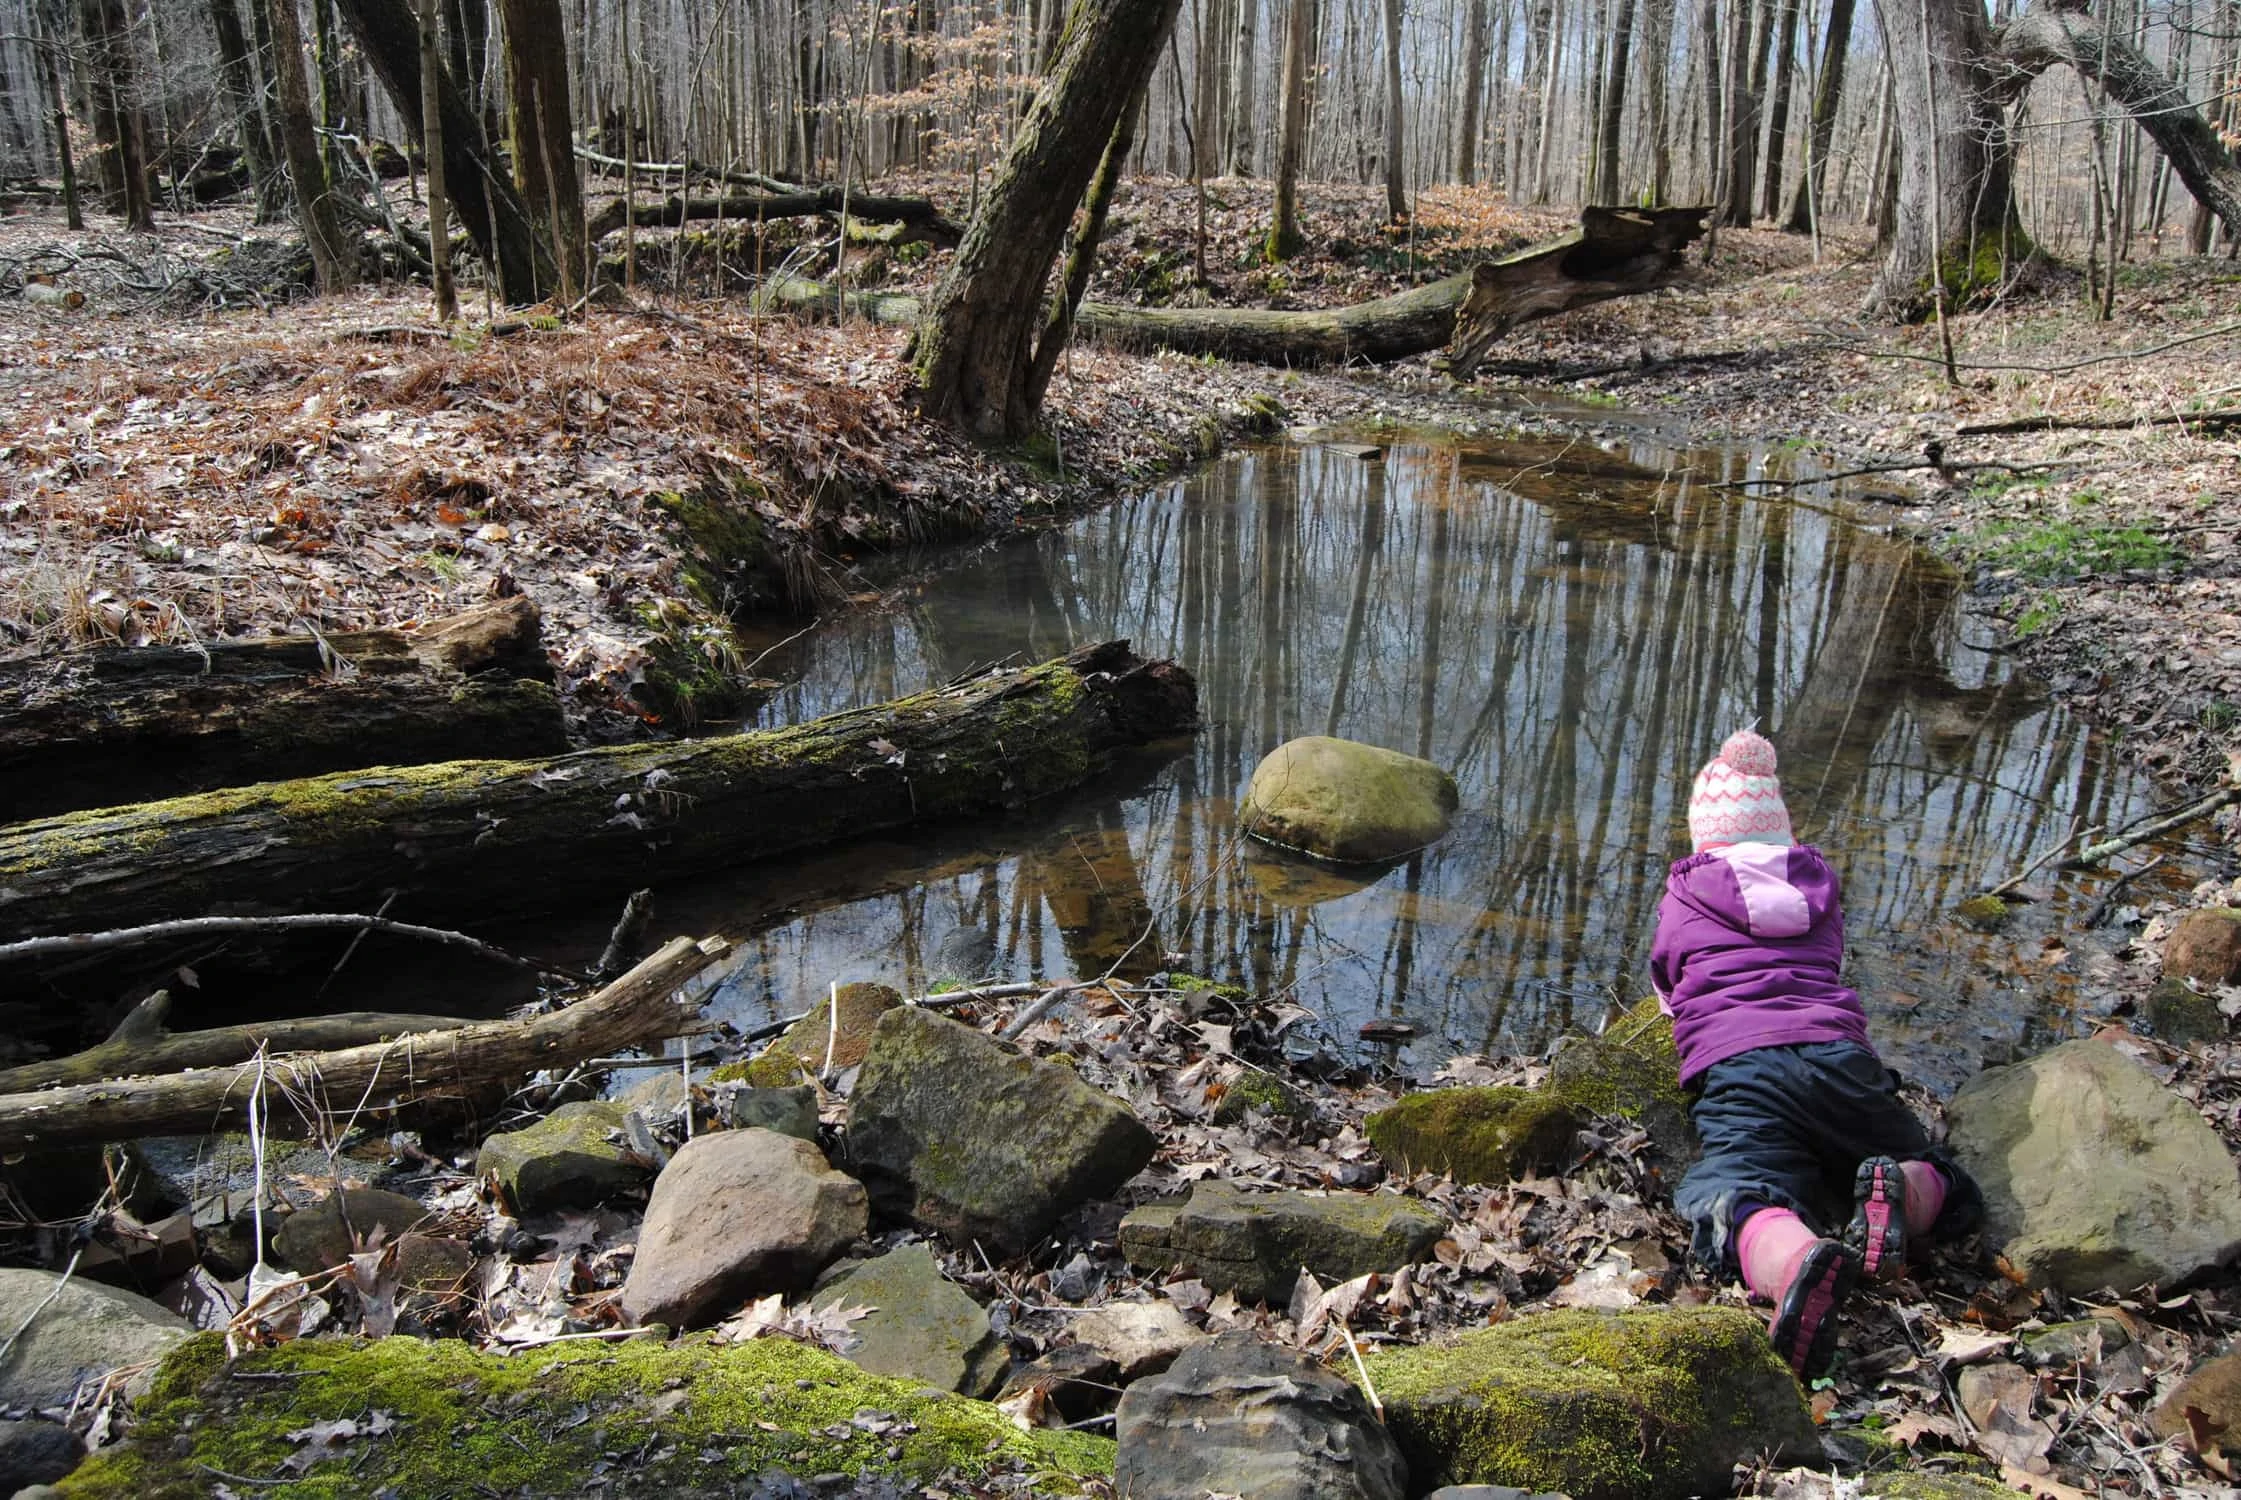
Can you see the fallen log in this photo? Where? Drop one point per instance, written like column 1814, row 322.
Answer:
column 1616, row 252
column 411, row 1071
column 142, row 1044
column 496, row 837
column 918, row 214
column 126, row 724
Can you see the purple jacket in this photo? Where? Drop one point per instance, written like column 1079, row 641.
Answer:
column 1750, row 940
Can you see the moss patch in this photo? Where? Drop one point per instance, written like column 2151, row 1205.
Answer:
column 1644, row 1405
column 1631, row 1072
column 799, row 1053
column 1984, row 913
column 1477, row 1134
column 683, row 1418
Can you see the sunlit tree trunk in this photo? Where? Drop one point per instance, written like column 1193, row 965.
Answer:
column 976, row 346
column 1244, row 132
column 1284, row 239
column 542, row 131
column 1954, row 213
column 1605, row 186
column 1474, row 88
column 1396, row 186
column 1657, row 43
column 1778, row 112
column 432, row 136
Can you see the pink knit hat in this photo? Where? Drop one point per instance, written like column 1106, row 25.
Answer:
column 1736, row 799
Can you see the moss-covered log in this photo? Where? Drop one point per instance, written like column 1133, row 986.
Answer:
column 493, row 837
column 645, row 1417
column 407, row 1072
column 1614, row 253
column 106, row 727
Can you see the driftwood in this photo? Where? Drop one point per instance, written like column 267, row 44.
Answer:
column 141, row 1044
column 105, row 727
column 495, row 837
column 1616, row 252
column 920, row 215
column 414, row 1071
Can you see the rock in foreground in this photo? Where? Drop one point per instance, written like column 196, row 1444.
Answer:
column 86, row 1331
column 569, row 1159
column 2094, row 1174
column 1347, row 802
column 968, row 1137
column 738, row 1214
column 1654, row 1404
column 1236, row 1416
column 1255, row 1244
column 637, row 1419
column 922, row 1326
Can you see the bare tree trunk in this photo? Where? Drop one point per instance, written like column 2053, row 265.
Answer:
column 49, row 46
column 977, row 346
column 334, row 253
column 1656, row 55
column 1244, row 126
column 1396, row 187
column 1747, row 69
column 432, row 137
column 1605, row 188
column 1284, row 239
column 543, row 135
column 1778, row 113
column 239, row 73
column 1474, row 87
column 117, row 125
column 1954, row 217
column 1809, row 203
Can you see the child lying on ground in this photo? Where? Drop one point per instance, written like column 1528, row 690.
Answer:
column 1814, row 1174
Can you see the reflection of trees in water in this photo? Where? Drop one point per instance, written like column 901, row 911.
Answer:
column 1569, row 633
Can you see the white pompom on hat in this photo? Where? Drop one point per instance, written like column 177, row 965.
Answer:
column 1736, row 799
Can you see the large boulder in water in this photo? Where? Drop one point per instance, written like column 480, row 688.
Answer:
column 964, row 1135
column 1348, row 802
column 1236, row 1416
column 2094, row 1174
column 1651, row 1404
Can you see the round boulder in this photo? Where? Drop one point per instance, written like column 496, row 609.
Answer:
column 2205, row 947
column 1347, row 802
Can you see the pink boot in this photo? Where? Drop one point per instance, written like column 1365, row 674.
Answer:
column 1807, row 1278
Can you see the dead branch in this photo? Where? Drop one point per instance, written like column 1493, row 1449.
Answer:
column 70, row 944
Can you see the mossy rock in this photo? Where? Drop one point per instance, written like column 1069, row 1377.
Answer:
column 1631, row 1072
column 1913, row 1485
column 799, row 1053
column 565, row 1160
column 1253, row 1090
column 650, row 1418
column 1347, row 802
column 2182, row 1016
column 1255, row 1244
column 1477, row 1134
column 1984, row 913
column 1650, row 1404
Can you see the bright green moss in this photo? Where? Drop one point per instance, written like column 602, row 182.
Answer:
column 1477, row 1134
column 655, row 1417
column 1984, row 913
column 1631, row 1071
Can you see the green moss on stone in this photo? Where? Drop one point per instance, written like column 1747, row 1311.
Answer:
column 1644, row 1405
column 705, row 1419
column 1253, row 1089
column 1984, row 913
column 1477, row 1134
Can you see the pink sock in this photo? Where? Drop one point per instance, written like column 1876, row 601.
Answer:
column 1770, row 1246
column 1925, row 1195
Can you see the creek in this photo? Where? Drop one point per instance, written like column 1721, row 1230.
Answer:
column 1570, row 629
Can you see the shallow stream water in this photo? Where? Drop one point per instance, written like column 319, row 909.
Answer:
column 1570, row 629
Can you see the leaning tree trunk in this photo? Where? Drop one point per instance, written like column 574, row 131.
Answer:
column 1807, row 207
column 481, row 194
column 542, row 134
column 1955, row 210
column 2048, row 34
column 977, row 347
column 334, row 251
column 493, row 837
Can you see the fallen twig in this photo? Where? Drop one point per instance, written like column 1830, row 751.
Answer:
column 156, row 932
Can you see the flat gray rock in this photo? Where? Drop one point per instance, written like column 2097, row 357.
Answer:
column 1237, row 1416
column 2094, row 1174
column 1255, row 1244
column 922, row 1326
column 85, row 1332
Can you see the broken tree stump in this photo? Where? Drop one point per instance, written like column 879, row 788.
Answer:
column 126, row 724
column 496, row 837
column 1616, row 252
column 411, row 1071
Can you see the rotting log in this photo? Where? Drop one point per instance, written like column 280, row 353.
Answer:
column 141, row 1044
column 920, row 215
column 411, row 1071
column 106, row 727
column 499, row 837
column 1616, row 252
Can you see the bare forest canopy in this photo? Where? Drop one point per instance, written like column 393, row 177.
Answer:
column 1970, row 137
